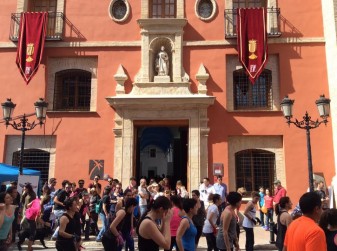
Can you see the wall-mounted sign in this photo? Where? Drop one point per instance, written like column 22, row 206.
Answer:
column 96, row 167
column 218, row 169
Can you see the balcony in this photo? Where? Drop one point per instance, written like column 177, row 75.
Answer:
column 273, row 22
column 54, row 26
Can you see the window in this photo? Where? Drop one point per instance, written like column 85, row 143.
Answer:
column 72, row 90
column 153, row 153
column 49, row 6
column 119, row 10
column 163, row 8
column 205, row 9
column 34, row 159
column 254, row 168
column 249, row 3
column 43, row 5
column 248, row 96
column 245, row 4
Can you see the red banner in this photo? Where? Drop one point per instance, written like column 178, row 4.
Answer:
column 33, row 26
column 252, row 40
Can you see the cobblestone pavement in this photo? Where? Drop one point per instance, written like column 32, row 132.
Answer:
column 261, row 243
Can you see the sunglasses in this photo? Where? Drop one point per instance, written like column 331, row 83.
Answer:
column 81, row 183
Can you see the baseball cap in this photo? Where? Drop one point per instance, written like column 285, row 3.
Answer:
column 277, row 181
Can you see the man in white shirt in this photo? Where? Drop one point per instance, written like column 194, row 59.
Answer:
column 144, row 195
column 221, row 189
column 205, row 190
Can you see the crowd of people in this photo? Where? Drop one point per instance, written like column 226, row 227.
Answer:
column 161, row 215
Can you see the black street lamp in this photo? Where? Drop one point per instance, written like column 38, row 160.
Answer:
column 24, row 125
column 323, row 105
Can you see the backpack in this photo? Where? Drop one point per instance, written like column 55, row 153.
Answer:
column 98, row 206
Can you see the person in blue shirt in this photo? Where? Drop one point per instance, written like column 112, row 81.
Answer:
column 187, row 231
column 221, row 189
column 261, row 204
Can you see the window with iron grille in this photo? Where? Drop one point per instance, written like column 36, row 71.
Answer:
column 163, row 8
column 248, row 96
column 72, row 90
column 255, row 168
column 34, row 159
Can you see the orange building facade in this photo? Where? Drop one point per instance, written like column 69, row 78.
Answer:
column 111, row 112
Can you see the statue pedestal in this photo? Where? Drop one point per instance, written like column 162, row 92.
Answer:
column 161, row 79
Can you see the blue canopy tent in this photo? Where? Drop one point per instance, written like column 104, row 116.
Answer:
column 9, row 173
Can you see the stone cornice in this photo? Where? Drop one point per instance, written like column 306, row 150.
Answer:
column 167, row 23
column 229, row 42
column 156, row 102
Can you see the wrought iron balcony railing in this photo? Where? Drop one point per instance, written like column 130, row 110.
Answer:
column 273, row 22
column 54, row 26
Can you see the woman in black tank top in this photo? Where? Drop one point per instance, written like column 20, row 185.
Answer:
column 113, row 239
column 283, row 220
column 150, row 236
column 67, row 238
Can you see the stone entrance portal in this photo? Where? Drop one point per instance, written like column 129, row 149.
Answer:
column 156, row 102
column 161, row 93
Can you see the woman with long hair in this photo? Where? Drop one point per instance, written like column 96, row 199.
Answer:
column 150, row 237
column 328, row 222
column 94, row 202
column 268, row 202
column 283, row 220
column 113, row 239
column 28, row 195
column 187, row 231
column 209, row 229
column 177, row 213
column 200, row 217
column 6, row 220
column 227, row 237
column 67, row 239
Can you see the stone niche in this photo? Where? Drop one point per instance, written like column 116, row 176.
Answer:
column 165, row 32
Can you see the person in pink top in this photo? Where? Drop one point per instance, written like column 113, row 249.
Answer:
column 268, row 203
column 178, row 212
column 279, row 191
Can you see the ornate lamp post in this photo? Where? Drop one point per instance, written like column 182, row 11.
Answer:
column 323, row 105
column 24, row 125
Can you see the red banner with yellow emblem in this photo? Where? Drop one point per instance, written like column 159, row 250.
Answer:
column 252, row 40
column 32, row 33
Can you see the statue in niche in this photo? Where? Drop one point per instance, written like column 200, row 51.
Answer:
column 162, row 63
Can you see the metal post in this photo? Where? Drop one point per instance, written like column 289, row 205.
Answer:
column 23, row 134
column 271, row 232
column 310, row 172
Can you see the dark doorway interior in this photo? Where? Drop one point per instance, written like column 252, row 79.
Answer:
column 162, row 152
